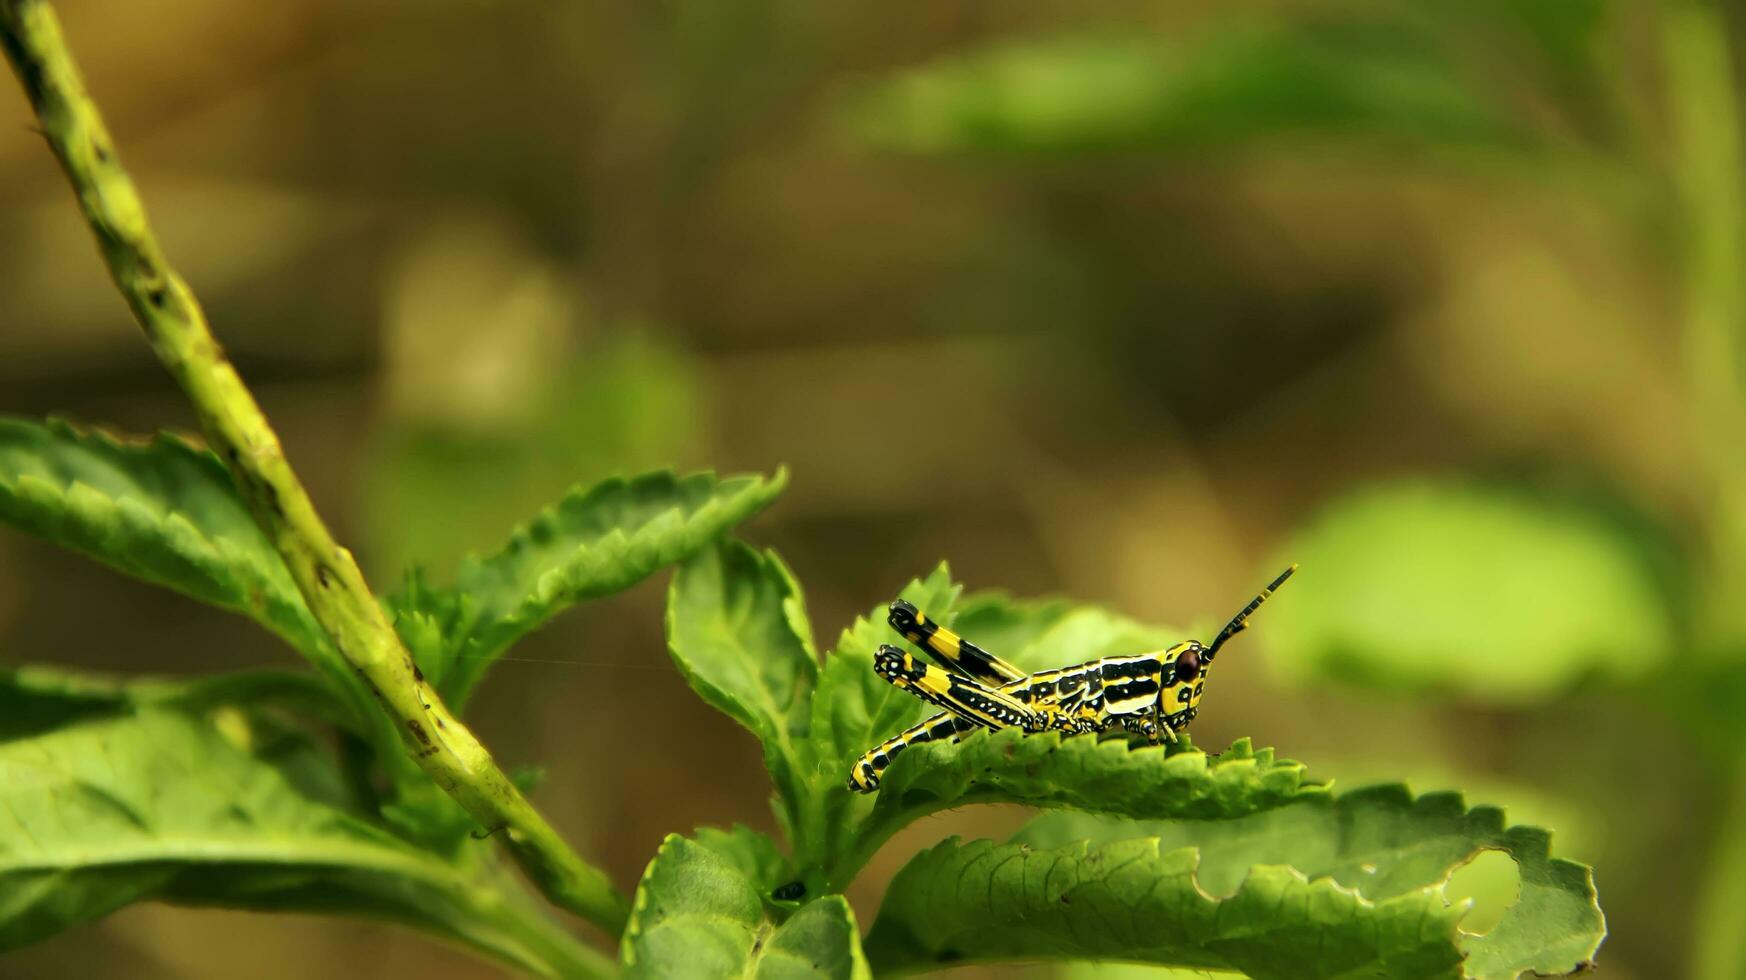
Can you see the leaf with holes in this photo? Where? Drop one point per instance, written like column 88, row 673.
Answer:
column 1135, row 900
column 1384, row 844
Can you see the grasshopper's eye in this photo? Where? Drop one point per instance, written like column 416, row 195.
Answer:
column 1187, row 666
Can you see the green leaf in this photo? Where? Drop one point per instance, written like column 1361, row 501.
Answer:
column 1354, row 885
column 737, row 628
column 37, row 699
column 123, row 794
column 852, row 710
column 1385, row 844
column 1563, row 31
column 697, row 914
column 855, row 710
column 1488, row 593
column 1106, row 970
column 1050, row 633
column 591, row 544
column 1009, row 627
column 753, row 853
column 1084, row 773
column 161, row 510
column 1135, row 900
column 820, row 940
column 166, row 511
column 1235, row 83
column 444, row 476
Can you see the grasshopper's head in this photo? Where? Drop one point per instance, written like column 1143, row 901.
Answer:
column 1181, row 683
column 1183, row 678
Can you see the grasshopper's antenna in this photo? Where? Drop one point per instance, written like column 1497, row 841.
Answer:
column 1240, row 621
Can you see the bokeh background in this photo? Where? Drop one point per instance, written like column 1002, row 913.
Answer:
column 1131, row 302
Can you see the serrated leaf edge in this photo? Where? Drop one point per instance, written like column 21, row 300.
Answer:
column 172, row 526
column 470, row 655
column 1453, row 912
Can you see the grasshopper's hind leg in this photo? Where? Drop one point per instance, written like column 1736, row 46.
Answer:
column 865, row 774
column 966, row 698
column 951, row 650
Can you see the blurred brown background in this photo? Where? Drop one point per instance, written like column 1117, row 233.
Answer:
column 469, row 253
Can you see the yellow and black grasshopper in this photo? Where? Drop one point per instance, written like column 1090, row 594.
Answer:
column 1154, row 695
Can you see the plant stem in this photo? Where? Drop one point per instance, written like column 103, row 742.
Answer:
column 520, row 934
column 325, row 573
column 1710, row 176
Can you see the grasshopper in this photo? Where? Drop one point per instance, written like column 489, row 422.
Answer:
column 1152, row 695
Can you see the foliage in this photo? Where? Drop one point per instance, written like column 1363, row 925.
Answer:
column 1404, row 75
column 1316, row 884
column 438, row 484
column 738, row 632
column 259, row 791
column 306, row 838
column 699, row 915
column 593, row 543
column 198, row 794
column 1131, row 900
column 220, row 792
column 161, row 510
column 1223, row 89
column 1383, row 843
column 1400, row 570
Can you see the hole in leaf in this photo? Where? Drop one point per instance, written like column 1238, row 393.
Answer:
column 1494, row 882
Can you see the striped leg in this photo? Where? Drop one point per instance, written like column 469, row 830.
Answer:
column 864, row 774
column 1147, row 725
column 962, row 696
column 950, row 649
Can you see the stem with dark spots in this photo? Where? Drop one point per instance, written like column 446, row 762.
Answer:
column 368, row 658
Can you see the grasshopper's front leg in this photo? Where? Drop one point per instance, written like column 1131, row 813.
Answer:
column 1147, row 724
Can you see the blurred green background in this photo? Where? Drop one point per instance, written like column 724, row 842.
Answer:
column 1131, row 302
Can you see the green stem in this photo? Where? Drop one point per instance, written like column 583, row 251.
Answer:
column 325, row 573
column 1719, row 951
column 1710, row 176
column 523, row 936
